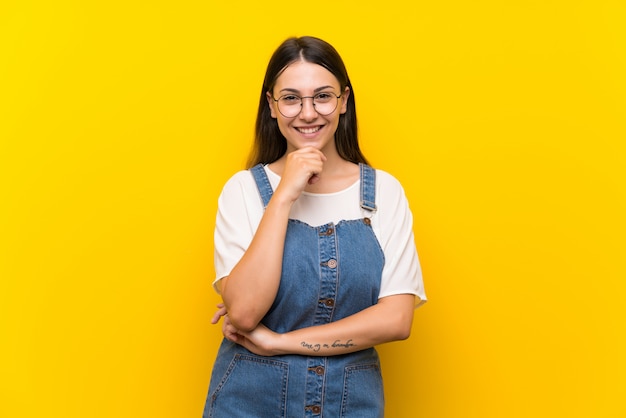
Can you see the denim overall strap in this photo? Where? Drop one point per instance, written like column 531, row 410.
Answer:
column 368, row 188
column 262, row 183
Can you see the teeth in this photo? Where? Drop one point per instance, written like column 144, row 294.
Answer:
column 309, row 130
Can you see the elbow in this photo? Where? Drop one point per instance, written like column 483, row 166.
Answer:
column 243, row 320
column 402, row 329
column 397, row 312
column 241, row 315
column 399, row 330
column 403, row 332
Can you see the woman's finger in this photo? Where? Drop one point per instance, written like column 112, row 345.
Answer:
column 219, row 313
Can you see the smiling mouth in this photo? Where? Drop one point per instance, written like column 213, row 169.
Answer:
column 311, row 130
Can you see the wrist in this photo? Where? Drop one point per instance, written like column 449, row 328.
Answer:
column 280, row 344
column 281, row 201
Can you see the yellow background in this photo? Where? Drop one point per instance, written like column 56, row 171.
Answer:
column 505, row 122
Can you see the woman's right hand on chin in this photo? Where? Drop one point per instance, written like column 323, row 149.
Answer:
column 302, row 167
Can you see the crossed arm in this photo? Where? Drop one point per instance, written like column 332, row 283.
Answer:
column 389, row 320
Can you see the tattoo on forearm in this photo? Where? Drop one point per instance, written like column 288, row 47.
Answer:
column 347, row 344
column 336, row 344
column 313, row 347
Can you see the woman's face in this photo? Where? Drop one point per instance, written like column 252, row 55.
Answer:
column 308, row 127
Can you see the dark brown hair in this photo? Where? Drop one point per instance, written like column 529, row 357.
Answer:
column 269, row 142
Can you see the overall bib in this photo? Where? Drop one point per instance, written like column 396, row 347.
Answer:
column 329, row 272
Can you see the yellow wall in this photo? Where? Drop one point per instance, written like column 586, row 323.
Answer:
column 505, row 121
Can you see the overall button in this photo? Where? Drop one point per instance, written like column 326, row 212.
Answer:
column 329, row 302
column 329, row 231
column 319, row 370
column 332, row 263
column 367, row 221
column 316, row 409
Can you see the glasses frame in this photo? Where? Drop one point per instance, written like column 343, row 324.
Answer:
column 302, row 102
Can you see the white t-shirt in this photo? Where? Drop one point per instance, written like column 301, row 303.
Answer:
column 240, row 210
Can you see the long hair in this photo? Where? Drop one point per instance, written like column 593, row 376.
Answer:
column 269, row 142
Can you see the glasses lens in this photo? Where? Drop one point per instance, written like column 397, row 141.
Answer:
column 290, row 105
column 325, row 103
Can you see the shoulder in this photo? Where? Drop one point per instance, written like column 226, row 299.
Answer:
column 240, row 180
column 392, row 202
column 387, row 186
column 387, row 178
column 240, row 186
column 240, row 177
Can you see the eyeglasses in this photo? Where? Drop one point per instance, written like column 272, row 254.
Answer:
column 290, row 105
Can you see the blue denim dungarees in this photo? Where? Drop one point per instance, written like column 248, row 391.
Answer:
column 329, row 272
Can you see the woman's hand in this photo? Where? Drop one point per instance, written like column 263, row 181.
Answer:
column 260, row 340
column 302, row 167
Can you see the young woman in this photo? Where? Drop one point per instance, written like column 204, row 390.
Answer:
column 314, row 254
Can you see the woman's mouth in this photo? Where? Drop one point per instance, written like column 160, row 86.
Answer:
column 308, row 130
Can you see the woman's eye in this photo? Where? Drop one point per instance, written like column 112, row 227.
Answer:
column 323, row 97
column 290, row 99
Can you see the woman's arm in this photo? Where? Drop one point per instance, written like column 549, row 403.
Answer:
column 389, row 320
column 250, row 288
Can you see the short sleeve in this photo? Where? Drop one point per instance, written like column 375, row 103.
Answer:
column 402, row 273
column 239, row 211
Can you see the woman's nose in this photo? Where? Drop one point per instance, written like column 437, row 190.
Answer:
column 308, row 111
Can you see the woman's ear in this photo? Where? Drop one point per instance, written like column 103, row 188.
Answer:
column 270, row 103
column 344, row 100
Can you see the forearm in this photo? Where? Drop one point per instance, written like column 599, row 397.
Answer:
column 251, row 287
column 387, row 321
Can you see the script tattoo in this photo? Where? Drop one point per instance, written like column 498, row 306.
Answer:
column 347, row 344
column 336, row 344
column 313, row 347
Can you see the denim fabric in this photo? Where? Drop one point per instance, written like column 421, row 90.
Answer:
column 329, row 272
